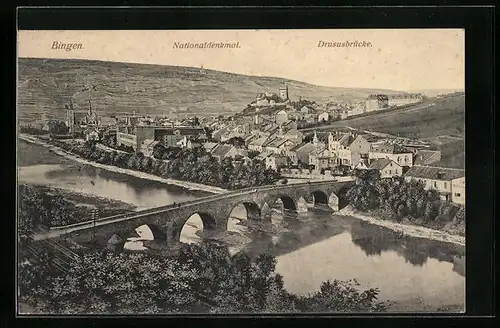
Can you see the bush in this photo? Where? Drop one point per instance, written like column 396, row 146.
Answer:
column 400, row 199
column 202, row 278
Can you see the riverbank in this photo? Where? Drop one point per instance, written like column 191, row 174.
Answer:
column 406, row 229
column 86, row 201
column 141, row 175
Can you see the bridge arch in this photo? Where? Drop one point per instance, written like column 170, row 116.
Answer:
column 192, row 224
column 288, row 203
column 251, row 208
column 319, row 197
column 157, row 232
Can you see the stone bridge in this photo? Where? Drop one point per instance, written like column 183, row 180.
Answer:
column 166, row 222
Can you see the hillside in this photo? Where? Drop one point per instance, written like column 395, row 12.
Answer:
column 443, row 124
column 46, row 85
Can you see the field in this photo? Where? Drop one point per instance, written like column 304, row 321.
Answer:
column 46, row 85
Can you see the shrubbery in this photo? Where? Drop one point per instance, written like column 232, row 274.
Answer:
column 36, row 208
column 202, row 278
column 401, row 199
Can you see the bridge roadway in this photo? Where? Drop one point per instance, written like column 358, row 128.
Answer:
column 226, row 201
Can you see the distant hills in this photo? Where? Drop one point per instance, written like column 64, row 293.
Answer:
column 46, row 85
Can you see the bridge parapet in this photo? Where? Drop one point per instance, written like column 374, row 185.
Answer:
column 214, row 211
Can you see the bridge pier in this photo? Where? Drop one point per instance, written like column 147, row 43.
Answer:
column 304, row 207
column 333, row 202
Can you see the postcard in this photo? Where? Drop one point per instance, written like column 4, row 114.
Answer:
column 241, row 171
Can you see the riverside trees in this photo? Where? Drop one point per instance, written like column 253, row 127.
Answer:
column 397, row 199
column 37, row 208
column 194, row 165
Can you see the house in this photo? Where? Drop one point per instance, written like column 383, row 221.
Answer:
column 209, row 146
column 294, row 134
column 339, row 143
column 340, row 113
column 302, row 152
column 360, row 145
column 359, row 149
column 273, row 161
column 280, row 145
column 126, row 139
column 376, row 102
column 362, row 165
column 306, row 110
column 323, row 159
column 281, row 117
column 404, row 99
column 323, row 117
column 223, row 151
column 237, row 132
column 391, row 151
column 217, row 134
column 426, row 157
column 289, row 125
column 336, row 140
column 91, row 134
column 248, row 138
column 387, row 167
column 292, row 156
column 449, row 182
column 187, row 142
column 257, row 144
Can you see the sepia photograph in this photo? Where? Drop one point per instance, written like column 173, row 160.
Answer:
column 240, row 171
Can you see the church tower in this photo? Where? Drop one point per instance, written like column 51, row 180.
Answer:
column 283, row 93
column 315, row 139
column 330, row 142
column 70, row 117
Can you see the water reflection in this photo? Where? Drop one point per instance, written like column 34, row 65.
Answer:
column 102, row 183
column 374, row 240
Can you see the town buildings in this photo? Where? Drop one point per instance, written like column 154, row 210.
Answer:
column 449, row 182
column 380, row 101
column 387, row 167
column 404, row 99
column 376, row 102
column 281, row 117
column 391, row 151
column 169, row 136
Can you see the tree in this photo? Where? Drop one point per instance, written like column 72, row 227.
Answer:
column 236, row 141
column 342, row 296
column 57, row 127
column 252, row 154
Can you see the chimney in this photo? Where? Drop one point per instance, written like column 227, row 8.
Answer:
column 441, row 175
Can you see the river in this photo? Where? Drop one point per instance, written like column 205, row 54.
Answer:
column 417, row 274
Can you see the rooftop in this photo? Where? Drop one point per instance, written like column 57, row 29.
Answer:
column 221, row 150
column 381, row 163
column 435, row 173
column 378, row 97
column 424, row 156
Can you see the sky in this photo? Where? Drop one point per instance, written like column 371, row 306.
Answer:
column 397, row 59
